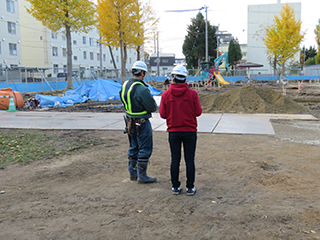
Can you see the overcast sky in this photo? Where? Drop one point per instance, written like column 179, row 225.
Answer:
column 231, row 15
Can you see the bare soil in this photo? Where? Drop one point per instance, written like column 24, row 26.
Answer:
column 248, row 186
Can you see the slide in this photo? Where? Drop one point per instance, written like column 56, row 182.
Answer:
column 220, row 78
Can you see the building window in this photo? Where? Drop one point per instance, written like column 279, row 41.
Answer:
column 0, row 47
column 75, row 58
column 129, row 60
column 98, row 44
column 65, row 68
column 11, row 28
column 1, row 70
column 74, row 42
column 91, row 55
column 90, row 41
column 54, row 51
column 104, row 57
column 110, row 60
column 54, row 35
column 63, row 37
column 55, row 68
column 64, row 52
column 13, row 49
column 117, row 59
column 10, row 6
column 84, row 40
column 84, row 55
column 165, row 60
column 98, row 56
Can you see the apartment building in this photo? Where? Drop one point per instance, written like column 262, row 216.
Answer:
column 25, row 42
column 10, row 40
column 261, row 16
column 224, row 47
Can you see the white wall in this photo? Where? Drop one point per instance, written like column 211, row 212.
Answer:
column 259, row 17
column 7, row 59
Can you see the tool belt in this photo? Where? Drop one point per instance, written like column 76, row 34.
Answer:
column 133, row 125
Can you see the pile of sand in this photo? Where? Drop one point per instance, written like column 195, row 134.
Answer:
column 249, row 99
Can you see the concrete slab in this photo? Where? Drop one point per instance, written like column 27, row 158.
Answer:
column 158, row 123
column 244, row 124
column 207, row 122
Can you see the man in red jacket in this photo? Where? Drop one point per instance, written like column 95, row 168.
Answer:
column 180, row 106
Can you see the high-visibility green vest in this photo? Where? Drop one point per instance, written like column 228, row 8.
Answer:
column 126, row 96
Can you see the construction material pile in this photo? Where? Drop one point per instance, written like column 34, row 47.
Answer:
column 249, row 99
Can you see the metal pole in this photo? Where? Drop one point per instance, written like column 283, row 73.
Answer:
column 26, row 77
column 158, row 56
column 6, row 76
column 207, row 58
column 218, row 40
column 100, row 45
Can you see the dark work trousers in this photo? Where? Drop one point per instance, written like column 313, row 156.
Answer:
column 189, row 141
column 141, row 144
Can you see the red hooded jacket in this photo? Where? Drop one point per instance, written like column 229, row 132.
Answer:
column 180, row 106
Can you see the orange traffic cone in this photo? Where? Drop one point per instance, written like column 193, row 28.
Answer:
column 12, row 106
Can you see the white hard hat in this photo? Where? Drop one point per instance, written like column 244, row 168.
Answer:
column 180, row 70
column 140, row 65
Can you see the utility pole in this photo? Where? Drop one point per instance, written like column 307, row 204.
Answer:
column 207, row 52
column 218, row 41
column 158, row 56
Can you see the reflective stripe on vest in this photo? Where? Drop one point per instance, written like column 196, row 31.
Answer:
column 127, row 101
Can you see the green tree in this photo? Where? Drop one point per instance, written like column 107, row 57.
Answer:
column 66, row 16
column 311, row 61
column 234, row 52
column 306, row 54
column 194, row 44
column 284, row 37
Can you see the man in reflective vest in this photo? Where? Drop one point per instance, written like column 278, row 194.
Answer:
column 139, row 104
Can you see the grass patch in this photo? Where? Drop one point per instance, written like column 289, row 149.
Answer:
column 24, row 148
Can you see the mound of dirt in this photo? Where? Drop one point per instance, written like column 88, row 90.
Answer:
column 249, row 99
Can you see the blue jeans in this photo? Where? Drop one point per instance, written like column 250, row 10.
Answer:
column 141, row 145
column 189, row 141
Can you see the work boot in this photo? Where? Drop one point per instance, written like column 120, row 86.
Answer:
column 132, row 167
column 142, row 173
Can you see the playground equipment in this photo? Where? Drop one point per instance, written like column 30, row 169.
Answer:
column 5, row 94
column 211, row 69
column 220, row 79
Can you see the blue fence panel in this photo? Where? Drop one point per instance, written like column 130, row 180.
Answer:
column 43, row 86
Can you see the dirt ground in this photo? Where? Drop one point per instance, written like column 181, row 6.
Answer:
column 248, row 187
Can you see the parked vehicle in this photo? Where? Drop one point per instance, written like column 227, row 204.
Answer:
column 63, row 77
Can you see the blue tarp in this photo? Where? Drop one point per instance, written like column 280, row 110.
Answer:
column 103, row 90
column 154, row 91
column 82, row 90
column 55, row 101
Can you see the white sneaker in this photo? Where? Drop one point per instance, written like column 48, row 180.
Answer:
column 176, row 191
column 191, row 191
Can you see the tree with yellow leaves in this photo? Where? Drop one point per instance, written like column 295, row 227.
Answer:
column 284, row 37
column 317, row 32
column 148, row 25
column 122, row 23
column 66, row 16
